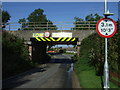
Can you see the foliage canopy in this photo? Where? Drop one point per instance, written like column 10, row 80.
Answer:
column 37, row 20
column 5, row 16
column 87, row 24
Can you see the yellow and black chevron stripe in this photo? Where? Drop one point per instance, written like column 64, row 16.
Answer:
column 56, row 39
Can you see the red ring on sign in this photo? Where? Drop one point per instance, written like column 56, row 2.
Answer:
column 102, row 34
column 45, row 35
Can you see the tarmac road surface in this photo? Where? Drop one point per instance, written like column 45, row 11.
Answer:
column 57, row 74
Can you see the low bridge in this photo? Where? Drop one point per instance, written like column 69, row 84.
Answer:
column 38, row 42
column 39, row 46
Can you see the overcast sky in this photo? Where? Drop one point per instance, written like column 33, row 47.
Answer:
column 58, row 0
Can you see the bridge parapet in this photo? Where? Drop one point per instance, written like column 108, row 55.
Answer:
column 79, row 25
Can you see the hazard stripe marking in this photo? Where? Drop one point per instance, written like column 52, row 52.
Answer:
column 68, row 39
column 43, row 39
column 58, row 39
column 63, row 39
column 73, row 39
column 52, row 39
column 47, row 39
column 38, row 39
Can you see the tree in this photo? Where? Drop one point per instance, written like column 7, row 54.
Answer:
column 23, row 22
column 90, row 21
column 97, row 17
column 37, row 16
column 51, row 26
column 89, row 17
column 37, row 21
column 93, row 17
column 78, row 19
column 78, row 23
column 5, row 18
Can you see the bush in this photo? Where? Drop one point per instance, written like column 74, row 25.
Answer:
column 15, row 56
column 93, row 53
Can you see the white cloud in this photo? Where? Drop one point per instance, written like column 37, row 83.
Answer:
column 58, row 0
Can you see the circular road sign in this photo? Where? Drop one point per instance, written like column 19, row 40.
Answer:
column 46, row 34
column 106, row 27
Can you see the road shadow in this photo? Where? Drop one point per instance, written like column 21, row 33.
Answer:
column 61, row 61
column 53, row 53
column 18, row 80
column 21, row 79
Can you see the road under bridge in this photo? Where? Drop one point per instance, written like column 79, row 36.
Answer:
column 38, row 42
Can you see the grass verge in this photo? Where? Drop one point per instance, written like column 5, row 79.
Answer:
column 88, row 79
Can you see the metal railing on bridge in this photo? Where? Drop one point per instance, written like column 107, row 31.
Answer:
column 82, row 25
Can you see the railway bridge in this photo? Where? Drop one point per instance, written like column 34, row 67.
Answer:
column 38, row 40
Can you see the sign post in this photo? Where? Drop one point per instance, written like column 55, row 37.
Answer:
column 106, row 68
column 106, row 28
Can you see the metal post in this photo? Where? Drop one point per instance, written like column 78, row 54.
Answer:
column 105, row 7
column 89, row 25
column 61, row 25
column 9, row 26
column 106, row 69
column 47, row 26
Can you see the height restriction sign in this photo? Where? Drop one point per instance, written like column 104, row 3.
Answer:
column 106, row 27
column 46, row 34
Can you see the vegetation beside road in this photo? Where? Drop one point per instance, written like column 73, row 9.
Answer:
column 88, row 79
column 15, row 55
column 89, row 66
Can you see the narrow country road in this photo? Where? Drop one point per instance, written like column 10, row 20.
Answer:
column 57, row 74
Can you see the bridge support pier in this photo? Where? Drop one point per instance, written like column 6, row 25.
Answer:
column 78, row 51
column 39, row 52
column 78, row 48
